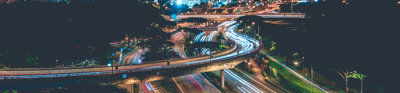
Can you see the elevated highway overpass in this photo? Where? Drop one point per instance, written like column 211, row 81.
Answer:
column 243, row 47
column 234, row 16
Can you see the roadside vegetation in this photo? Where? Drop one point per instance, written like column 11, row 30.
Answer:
column 167, row 85
column 290, row 81
column 246, row 67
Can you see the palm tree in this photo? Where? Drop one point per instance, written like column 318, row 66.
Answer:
column 359, row 76
column 345, row 76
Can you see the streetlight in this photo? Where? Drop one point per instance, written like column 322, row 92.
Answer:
column 270, row 70
column 245, row 30
column 258, row 29
column 291, row 6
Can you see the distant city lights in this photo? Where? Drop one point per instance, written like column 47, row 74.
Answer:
column 109, row 64
column 179, row 2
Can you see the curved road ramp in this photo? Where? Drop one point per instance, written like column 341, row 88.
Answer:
column 243, row 46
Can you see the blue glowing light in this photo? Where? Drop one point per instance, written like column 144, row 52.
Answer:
column 109, row 64
column 179, row 2
column 124, row 76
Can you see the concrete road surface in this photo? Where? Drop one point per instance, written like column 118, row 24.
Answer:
column 194, row 83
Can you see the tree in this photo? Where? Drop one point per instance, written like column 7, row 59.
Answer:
column 220, row 37
column 157, row 42
column 201, row 5
column 97, row 24
column 195, row 20
column 191, row 31
column 359, row 76
column 175, row 8
column 346, row 75
column 248, row 19
column 251, row 24
column 197, row 46
column 87, row 87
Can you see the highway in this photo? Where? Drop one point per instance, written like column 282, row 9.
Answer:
column 134, row 57
column 239, row 15
column 243, row 47
column 202, row 38
column 148, row 87
column 194, row 83
column 243, row 84
column 241, row 81
column 179, row 41
column 210, row 37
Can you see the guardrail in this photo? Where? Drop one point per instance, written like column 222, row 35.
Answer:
column 110, row 72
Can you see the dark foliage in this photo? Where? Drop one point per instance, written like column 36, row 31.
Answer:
column 196, row 20
column 71, row 31
column 351, row 36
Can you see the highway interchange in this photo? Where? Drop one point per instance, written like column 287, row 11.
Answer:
column 243, row 83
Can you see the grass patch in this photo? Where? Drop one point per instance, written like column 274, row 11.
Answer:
column 329, row 86
column 290, row 81
column 136, row 89
column 167, row 85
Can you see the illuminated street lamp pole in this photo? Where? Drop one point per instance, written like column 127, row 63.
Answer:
column 312, row 87
column 291, row 6
column 245, row 30
column 258, row 29
column 363, row 80
column 249, row 64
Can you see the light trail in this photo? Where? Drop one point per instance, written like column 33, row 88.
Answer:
column 193, row 82
column 144, row 88
column 198, row 37
column 196, row 82
column 255, row 80
column 246, row 45
column 243, row 81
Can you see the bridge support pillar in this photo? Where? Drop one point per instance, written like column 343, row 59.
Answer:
column 222, row 78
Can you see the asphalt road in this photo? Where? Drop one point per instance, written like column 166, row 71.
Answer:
column 194, row 83
column 239, row 15
column 134, row 57
column 148, row 87
column 241, row 82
